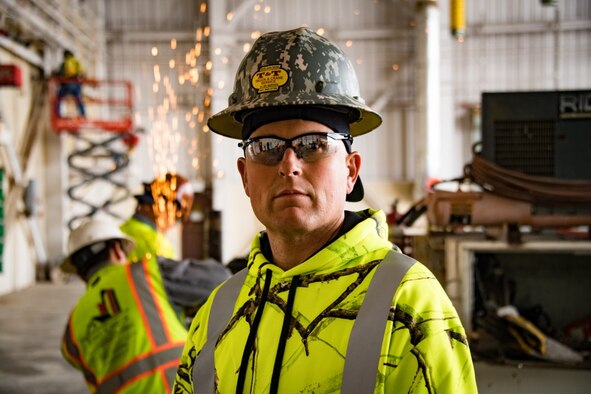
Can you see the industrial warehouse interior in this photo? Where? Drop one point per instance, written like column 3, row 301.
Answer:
column 481, row 165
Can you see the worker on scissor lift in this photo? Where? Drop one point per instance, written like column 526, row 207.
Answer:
column 164, row 201
column 72, row 72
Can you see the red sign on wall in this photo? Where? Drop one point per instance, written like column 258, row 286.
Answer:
column 10, row 75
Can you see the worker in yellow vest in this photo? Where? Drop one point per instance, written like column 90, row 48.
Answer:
column 123, row 334
column 326, row 304
column 163, row 202
column 71, row 73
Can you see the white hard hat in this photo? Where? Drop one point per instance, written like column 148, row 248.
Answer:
column 90, row 232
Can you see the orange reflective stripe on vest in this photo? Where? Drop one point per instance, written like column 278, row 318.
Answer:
column 158, row 334
column 150, row 309
column 140, row 367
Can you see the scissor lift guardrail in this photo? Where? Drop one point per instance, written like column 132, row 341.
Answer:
column 96, row 156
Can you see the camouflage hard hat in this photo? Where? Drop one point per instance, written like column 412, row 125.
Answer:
column 294, row 67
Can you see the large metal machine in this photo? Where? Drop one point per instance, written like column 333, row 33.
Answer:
column 533, row 166
column 539, row 133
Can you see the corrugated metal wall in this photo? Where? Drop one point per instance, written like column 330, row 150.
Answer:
column 149, row 16
column 517, row 46
column 147, row 44
column 508, row 45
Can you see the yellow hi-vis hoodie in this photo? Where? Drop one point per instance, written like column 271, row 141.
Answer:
column 315, row 304
column 123, row 334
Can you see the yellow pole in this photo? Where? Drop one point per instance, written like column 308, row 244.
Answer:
column 458, row 18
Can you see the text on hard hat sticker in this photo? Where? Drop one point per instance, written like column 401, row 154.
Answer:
column 269, row 78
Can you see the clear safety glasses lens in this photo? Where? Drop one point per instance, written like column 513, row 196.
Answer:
column 308, row 147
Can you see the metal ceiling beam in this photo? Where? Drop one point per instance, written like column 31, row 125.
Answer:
column 371, row 34
column 21, row 51
column 48, row 24
column 228, row 36
column 240, row 11
column 478, row 29
column 149, row 36
column 78, row 32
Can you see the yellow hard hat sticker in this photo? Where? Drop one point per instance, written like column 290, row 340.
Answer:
column 269, row 78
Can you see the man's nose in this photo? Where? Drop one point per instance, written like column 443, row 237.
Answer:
column 290, row 163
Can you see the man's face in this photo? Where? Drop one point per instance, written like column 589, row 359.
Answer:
column 296, row 196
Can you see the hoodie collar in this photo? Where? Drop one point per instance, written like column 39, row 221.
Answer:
column 337, row 253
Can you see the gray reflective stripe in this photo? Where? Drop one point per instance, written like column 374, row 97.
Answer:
column 219, row 316
column 72, row 349
column 170, row 373
column 148, row 304
column 139, row 367
column 367, row 335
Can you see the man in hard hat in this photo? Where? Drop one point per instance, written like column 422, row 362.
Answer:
column 164, row 201
column 326, row 303
column 124, row 333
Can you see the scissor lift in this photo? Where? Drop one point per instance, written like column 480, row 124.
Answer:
column 101, row 142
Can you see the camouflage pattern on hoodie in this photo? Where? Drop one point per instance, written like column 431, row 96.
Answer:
column 424, row 348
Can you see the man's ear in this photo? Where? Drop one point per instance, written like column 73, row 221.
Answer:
column 241, row 164
column 116, row 254
column 353, row 165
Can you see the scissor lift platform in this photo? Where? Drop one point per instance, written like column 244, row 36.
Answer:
column 102, row 140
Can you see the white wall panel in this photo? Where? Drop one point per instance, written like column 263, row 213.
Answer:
column 19, row 259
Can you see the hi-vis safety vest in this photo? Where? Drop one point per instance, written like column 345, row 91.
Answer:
column 123, row 334
column 348, row 319
column 149, row 242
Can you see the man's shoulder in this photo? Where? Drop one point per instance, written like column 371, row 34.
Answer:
column 136, row 224
column 422, row 290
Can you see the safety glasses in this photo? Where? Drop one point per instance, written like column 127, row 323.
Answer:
column 308, row 147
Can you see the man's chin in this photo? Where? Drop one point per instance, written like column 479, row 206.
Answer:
column 292, row 218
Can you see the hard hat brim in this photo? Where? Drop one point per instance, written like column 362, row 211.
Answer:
column 225, row 123
column 68, row 267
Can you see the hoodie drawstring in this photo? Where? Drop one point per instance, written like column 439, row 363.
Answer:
column 248, row 348
column 285, row 329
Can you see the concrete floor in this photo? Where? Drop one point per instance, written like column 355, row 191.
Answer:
column 31, row 325
column 32, row 322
